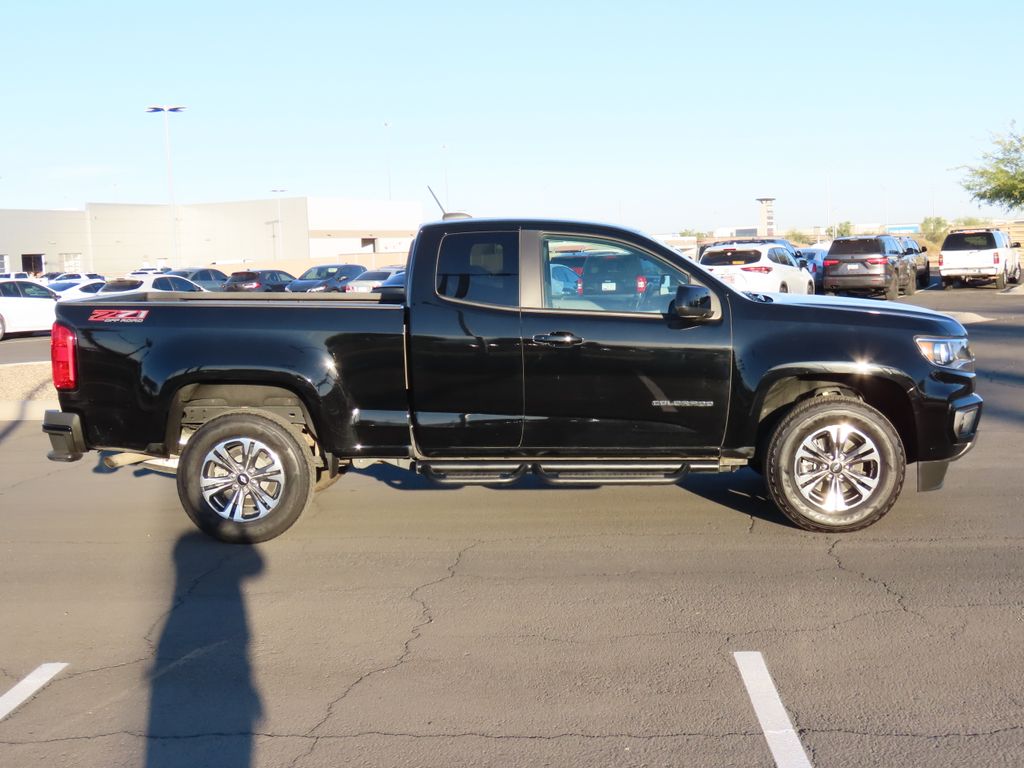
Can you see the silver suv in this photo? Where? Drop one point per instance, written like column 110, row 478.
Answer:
column 869, row 264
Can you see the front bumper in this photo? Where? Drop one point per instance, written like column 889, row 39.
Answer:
column 962, row 428
column 65, row 433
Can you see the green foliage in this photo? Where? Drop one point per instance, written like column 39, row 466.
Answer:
column 970, row 221
column 844, row 229
column 934, row 228
column 796, row 237
column 694, row 233
column 999, row 180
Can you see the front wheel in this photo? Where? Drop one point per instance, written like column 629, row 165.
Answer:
column 245, row 477
column 834, row 464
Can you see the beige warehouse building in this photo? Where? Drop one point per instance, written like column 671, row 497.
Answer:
column 288, row 233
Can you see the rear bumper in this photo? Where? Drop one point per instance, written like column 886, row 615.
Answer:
column 855, row 282
column 990, row 271
column 65, row 433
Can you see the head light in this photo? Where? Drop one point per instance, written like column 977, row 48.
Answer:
column 946, row 352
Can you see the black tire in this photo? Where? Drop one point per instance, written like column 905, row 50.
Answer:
column 1001, row 280
column 783, row 288
column 924, row 278
column 1015, row 277
column 831, row 427
column 911, row 288
column 947, row 284
column 3, row 329
column 236, row 449
column 810, row 289
column 892, row 290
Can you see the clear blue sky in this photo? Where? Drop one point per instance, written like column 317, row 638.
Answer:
column 659, row 115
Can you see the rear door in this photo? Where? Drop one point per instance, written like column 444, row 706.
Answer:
column 611, row 371
column 465, row 350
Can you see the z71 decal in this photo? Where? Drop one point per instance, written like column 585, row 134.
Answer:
column 118, row 315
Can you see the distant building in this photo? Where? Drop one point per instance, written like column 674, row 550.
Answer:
column 766, row 222
column 291, row 233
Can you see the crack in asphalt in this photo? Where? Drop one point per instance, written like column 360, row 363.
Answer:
column 415, row 632
column 899, row 597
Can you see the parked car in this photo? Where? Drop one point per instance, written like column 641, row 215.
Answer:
column 759, row 268
column 148, row 271
column 205, row 277
column 564, row 280
column 919, row 253
column 75, row 289
column 78, row 277
column 982, row 253
column 869, row 264
column 15, row 276
column 264, row 280
column 48, row 277
column 814, row 258
column 150, row 283
column 367, row 281
column 326, row 277
column 25, row 306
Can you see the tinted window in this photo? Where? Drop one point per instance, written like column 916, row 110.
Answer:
column 121, row 285
column 969, row 241
column 33, row 291
column 95, row 287
column 243, row 277
column 729, row 258
column 481, row 267
column 855, row 247
column 9, row 291
column 163, row 284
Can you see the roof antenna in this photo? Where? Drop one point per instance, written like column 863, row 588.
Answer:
column 445, row 215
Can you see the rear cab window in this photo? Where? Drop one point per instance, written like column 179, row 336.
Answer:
column 969, row 241
column 479, row 268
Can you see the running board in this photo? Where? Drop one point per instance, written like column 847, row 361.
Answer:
column 565, row 472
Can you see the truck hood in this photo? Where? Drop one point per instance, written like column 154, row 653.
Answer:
column 881, row 311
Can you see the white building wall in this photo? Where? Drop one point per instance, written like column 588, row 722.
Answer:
column 58, row 235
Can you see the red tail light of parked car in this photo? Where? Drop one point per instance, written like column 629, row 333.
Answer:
column 759, row 270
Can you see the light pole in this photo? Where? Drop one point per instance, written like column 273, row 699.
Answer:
column 170, row 177
column 279, row 249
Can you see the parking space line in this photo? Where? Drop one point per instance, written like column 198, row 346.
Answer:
column 28, row 687
column 778, row 730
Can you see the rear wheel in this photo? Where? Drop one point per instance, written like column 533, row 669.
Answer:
column 1001, row 280
column 834, row 464
column 245, row 477
column 924, row 278
column 892, row 290
column 810, row 289
column 3, row 329
column 1015, row 277
column 911, row 288
column 783, row 288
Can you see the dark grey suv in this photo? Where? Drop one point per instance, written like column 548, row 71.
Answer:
column 869, row 264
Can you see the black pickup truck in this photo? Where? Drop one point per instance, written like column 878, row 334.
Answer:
column 583, row 353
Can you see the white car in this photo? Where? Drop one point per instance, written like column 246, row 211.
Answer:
column 979, row 254
column 371, row 279
column 15, row 276
column 758, row 267
column 72, row 290
column 150, row 282
column 25, row 306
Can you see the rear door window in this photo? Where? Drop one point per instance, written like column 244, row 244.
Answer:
column 479, row 267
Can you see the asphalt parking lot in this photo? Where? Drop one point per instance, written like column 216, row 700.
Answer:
column 405, row 624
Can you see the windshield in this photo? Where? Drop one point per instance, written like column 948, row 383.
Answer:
column 242, row 277
column 729, row 258
column 969, row 241
column 62, row 285
column 855, row 247
column 121, row 285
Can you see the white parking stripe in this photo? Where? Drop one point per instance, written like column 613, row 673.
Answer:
column 778, row 730
column 28, row 687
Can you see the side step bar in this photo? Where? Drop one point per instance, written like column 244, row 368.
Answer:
column 566, row 472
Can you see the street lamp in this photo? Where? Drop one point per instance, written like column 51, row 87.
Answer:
column 170, row 177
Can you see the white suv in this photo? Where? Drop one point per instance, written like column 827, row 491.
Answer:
column 979, row 254
column 758, row 267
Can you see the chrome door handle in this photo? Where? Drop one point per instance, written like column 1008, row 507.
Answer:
column 558, row 339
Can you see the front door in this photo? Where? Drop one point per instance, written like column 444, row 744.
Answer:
column 609, row 370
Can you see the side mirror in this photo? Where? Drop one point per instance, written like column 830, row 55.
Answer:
column 1015, row 245
column 693, row 302
column 924, row 248
column 798, row 252
column 802, row 262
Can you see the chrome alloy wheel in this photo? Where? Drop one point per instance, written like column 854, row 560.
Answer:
column 836, row 469
column 242, row 479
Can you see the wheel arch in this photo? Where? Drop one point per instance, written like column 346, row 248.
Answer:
column 884, row 389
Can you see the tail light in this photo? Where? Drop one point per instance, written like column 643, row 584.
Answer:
column 830, row 263
column 251, row 286
column 579, row 287
column 64, row 357
column 641, row 283
column 940, row 259
column 759, row 270
column 995, row 257
column 878, row 260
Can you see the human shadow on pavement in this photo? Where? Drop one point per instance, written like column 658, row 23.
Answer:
column 203, row 704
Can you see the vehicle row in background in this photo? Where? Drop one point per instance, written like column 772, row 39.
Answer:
column 979, row 254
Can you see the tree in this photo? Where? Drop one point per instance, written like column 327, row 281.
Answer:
column 999, row 180
column 844, row 229
column 934, row 228
column 796, row 236
column 693, row 233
